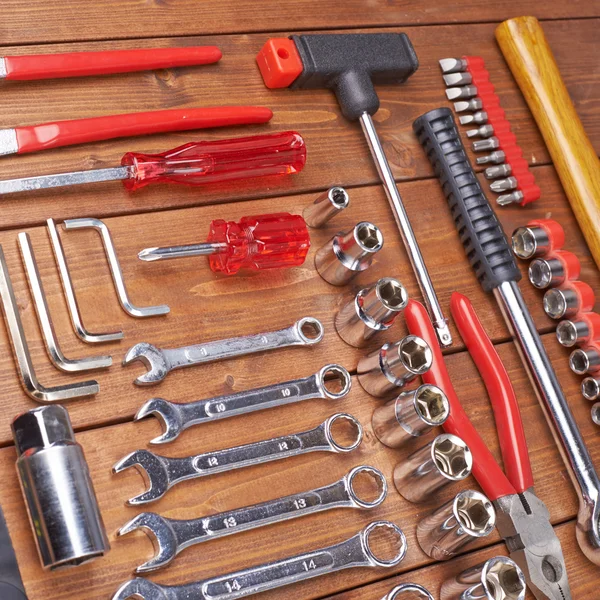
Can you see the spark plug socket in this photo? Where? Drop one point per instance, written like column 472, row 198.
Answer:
column 370, row 311
column 387, row 370
column 348, row 253
column 410, row 415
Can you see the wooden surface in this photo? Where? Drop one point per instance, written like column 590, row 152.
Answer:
column 205, row 307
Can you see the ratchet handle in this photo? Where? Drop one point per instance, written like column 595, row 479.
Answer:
column 81, row 64
column 480, row 231
column 80, row 131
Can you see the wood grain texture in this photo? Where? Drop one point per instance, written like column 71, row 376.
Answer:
column 532, row 63
column 337, row 152
column 39, row 21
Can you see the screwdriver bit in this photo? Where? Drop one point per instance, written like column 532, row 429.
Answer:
column 485, row 131
column 498, row 171
column 453, row 65
column 472, row 104
column 489, row 144
column 495, row 157
column 503, row 185
column 480, row 118
column 467, row 91
column 513, row 198
column 458, row 79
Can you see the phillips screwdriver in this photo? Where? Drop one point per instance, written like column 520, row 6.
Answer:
column 262, row 242
column 195, row 163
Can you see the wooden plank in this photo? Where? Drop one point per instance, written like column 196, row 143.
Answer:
column 207, row 307
column 583, row 575
column 336, row 149
column 103, row 447
column 78, row 20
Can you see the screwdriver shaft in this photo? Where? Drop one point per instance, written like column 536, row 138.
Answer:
column 205, row 249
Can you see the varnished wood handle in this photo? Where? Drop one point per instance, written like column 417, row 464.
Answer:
column 532, row 63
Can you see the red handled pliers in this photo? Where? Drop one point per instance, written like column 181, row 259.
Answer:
column 523, row 520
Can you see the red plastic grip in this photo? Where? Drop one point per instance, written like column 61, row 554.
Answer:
column 554, row 231
column 474, row 63
column 66, row 133
column 585, row 294
column 592, row 321
column 489, row 475
column 279, row 62
column 264, row 242
column 200, row 163
column 570, row 263
column 513, row 443
column 80, row 64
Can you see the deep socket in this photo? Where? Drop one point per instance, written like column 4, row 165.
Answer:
column 387, row 370
column 372, row 310
column 444, row 460
column 410, row 415
column 348, row 253
column 326, row 206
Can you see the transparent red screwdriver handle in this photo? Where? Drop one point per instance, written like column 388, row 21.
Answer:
column 199, row 163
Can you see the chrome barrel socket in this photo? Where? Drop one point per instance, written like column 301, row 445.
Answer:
column 498, row 578
column 348, row 253
column 546, row 272
column 585, row 361
column 590, row 388
column 467, row 517
column 410, row 415
column 326, row 206
column 530, row 242
column 387, row 370
column 444, row 460
column 372, row 310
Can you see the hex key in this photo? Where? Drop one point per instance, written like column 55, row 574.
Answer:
column 67, row 284
column 56, row 355
column 16, row 334
column 115, row 268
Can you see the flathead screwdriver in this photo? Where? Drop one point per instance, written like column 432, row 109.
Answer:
column 195, row 163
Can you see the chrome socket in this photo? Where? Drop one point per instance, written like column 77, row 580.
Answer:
column 571, row 333
column 546, row 272
column 529, row 242
column 590, row 388
column 444, row 460
column 349, row 253
column 467, row 517
column 372, row 310
column 410, row 415
column 387, row 370
column 560, row 303
column 498, row 578
column 596, row 413
column 584, row 361
column 326, row 206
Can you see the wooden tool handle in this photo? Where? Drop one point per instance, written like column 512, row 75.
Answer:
column 530, row 59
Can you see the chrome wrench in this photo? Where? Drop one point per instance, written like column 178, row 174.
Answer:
column 171, row 536
column 179, row 417
column 353, row 552
column 305, row 332
column 163, row 473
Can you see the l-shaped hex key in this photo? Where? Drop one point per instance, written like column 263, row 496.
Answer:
column 16, row 334
column 115, row 268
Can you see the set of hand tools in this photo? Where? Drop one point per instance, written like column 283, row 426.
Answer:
column 409, row 376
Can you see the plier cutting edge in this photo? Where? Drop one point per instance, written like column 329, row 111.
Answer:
column 523, row 520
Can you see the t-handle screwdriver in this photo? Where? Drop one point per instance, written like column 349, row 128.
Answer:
column 196, row 163
column 262, row 242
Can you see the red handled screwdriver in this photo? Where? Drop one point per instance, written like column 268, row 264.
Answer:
column 196, row 163
column 263, row 242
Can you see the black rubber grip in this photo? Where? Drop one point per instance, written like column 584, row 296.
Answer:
column 481, row 234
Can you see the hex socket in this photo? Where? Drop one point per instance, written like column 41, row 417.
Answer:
column 566, row 301
column 468, row 516
column 444, row 460
column 590, row 388
column 348, row 253
column 57, row 489
column 385, row 371
column 498, row 578
column 530, row 242
column 370, row 311
column 596, row 413
column 411, row 414
column 326, row 206
column 585, row 360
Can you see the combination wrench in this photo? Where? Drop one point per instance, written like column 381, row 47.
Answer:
column 171, row 536
column 353, row 552
column 305, row 332
column 176, row 418
column 163, row 473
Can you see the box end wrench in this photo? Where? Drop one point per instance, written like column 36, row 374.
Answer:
column 172, row 536
column 305, row 332
column 176, row 417
column 162, row 473
column 353, row 552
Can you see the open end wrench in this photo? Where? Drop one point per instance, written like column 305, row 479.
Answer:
column 353, row 552
column 57, row 358
column 163, row 473
column 171, row 536
column 179, row 417
column 305, row 332
column 115, row 268
column 29, row 381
